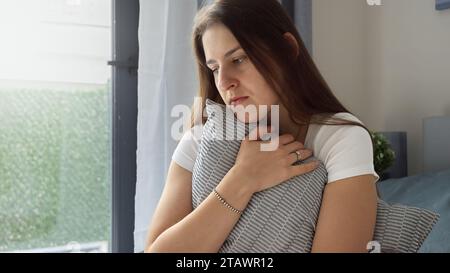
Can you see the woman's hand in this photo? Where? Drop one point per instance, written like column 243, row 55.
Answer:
column 258, row 170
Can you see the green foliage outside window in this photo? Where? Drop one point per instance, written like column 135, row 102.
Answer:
column 54, row 167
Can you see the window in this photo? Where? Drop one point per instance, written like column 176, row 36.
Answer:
column 55, row 125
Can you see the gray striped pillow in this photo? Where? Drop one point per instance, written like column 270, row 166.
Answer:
column 283, row 218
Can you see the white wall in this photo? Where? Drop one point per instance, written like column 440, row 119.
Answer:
column 388, row 64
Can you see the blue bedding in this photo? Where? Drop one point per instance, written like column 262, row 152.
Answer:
column 430, row 191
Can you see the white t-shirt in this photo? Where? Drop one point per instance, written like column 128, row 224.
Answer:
column 345, row 150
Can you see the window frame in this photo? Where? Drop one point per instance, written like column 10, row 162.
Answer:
column 124, row 63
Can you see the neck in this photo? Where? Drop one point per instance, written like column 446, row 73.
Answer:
column 288, row 126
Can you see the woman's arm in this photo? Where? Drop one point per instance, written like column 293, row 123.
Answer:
column 176, row 227
column 347, row 215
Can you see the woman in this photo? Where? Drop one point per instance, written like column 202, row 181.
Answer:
column 251, row 49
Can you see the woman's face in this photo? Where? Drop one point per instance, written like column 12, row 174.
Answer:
column 235, row 75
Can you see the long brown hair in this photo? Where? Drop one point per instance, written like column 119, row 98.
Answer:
column 258, row 26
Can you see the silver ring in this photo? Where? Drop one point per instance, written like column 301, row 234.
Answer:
column 299, row 156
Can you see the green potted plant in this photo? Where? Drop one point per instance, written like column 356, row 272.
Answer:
column 383, row 155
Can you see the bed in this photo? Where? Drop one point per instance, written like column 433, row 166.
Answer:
column 430, row 189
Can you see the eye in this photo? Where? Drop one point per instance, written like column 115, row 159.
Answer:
column 235, row 61
column 239, row 60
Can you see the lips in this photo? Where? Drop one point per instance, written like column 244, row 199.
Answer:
column 238, row 100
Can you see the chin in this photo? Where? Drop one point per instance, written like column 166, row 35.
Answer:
column 249, row 119
column 248, row 113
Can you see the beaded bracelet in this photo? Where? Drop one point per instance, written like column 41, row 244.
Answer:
column 226, row 203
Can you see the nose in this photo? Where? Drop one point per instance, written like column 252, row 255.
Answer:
column 226, row 80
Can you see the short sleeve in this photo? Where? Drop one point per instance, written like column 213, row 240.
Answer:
column 185, row 153
column 350, row 154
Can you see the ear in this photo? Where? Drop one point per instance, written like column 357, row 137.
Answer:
column 293, row 42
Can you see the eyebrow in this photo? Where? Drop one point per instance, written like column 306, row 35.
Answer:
column 226, row 54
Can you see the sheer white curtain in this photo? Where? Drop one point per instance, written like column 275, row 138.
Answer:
column 167, row 77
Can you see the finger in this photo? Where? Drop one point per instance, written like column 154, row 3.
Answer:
column 293, row 158
column 304, row 168
column 304, row 154
column 293, row 146
column 286, row 139
column 258, row 132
